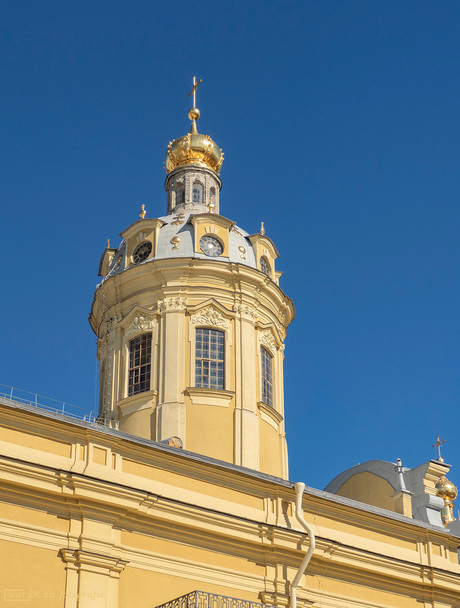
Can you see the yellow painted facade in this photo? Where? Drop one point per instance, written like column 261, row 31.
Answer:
column 114, row 514
column 96, row 517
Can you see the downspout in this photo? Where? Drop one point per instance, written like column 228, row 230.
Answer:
column 299, row 488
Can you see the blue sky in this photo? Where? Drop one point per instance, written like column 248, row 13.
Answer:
column 340, row 127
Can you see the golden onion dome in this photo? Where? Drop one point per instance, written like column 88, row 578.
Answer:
column 194, row 149
column 446, row 488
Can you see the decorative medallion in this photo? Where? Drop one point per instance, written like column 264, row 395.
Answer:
column 242, row 251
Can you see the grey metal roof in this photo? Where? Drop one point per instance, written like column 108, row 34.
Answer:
column 186, row 249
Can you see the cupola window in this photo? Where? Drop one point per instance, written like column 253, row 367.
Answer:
column 267, row 376
column 197, row 193
column 265, row 266
column 180, row 195
column 209, row 358
column 140, row 358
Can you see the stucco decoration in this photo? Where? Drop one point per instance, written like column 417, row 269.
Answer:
column 102, row 351
column 246, row 312
column 268, row 341
column 138, row 324
column 210, row 316
column 171, row 305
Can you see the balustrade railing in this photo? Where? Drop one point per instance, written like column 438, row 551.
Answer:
column 202, row 599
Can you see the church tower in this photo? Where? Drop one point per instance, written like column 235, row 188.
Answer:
column 190, row 322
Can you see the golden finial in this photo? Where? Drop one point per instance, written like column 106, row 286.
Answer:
column 175, row 242
column 211, row 205
column 262, row 229
column 108, row 243
column 448, row 492
column 143, row 212
column 438, row 445
column 194, row 112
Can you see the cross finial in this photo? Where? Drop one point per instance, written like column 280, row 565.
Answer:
column 193, row 91
column 438, row 445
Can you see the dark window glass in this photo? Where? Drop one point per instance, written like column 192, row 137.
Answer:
column 209, row 358
column 180, row 196
column 197, row 193
column 265, row 266
column 267, row 376
column 140, row 354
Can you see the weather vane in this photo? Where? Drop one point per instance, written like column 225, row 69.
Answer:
column 438, row 445
column 193, row 91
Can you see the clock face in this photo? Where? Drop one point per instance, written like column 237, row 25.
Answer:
column 209, row 245
column 142, row 252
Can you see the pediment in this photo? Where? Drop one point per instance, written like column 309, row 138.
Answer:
column 138, row 320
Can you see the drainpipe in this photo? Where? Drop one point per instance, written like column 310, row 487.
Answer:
column 299, row 488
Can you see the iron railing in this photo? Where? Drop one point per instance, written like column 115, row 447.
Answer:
column 12, row 395
column 202, row 599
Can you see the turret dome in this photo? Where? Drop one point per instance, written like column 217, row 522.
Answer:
column 194, row 149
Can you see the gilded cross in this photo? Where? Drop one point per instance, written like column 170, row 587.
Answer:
column 193, row 91
column 438, row 445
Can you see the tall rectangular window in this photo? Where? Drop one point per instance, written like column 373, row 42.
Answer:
column 140, row 354
column 209, row 358
column 267, row 376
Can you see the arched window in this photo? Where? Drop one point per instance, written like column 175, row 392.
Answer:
column 209, row 358
column 197, row 193
column 140, row 355
column 180, row 195
column 265, row 266
column 267, row 376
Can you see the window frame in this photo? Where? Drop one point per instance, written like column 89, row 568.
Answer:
column 266, row 355
column 215, row 337
column 199, row 187
column 132, row 368
column 226, row 327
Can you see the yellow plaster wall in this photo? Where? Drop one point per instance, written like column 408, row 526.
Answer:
column 36, row 442
column 144, row 589
column 369, row 488
column 362, row 589
column 30, row 577
column 213, row 438
column 198, row 551
column 33, row 516
column 196, row 483
column 270, row 449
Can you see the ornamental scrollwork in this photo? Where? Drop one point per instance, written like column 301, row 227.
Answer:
column 246, row 312
column 138, row 324
column 268, row 341
column 171, row 305
column 210, row 316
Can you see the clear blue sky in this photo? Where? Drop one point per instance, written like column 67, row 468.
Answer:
column 340, row 126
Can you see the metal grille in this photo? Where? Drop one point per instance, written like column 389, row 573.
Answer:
column 209, row 358
column 267, row 376
column 201, row 599
column 140, row 353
